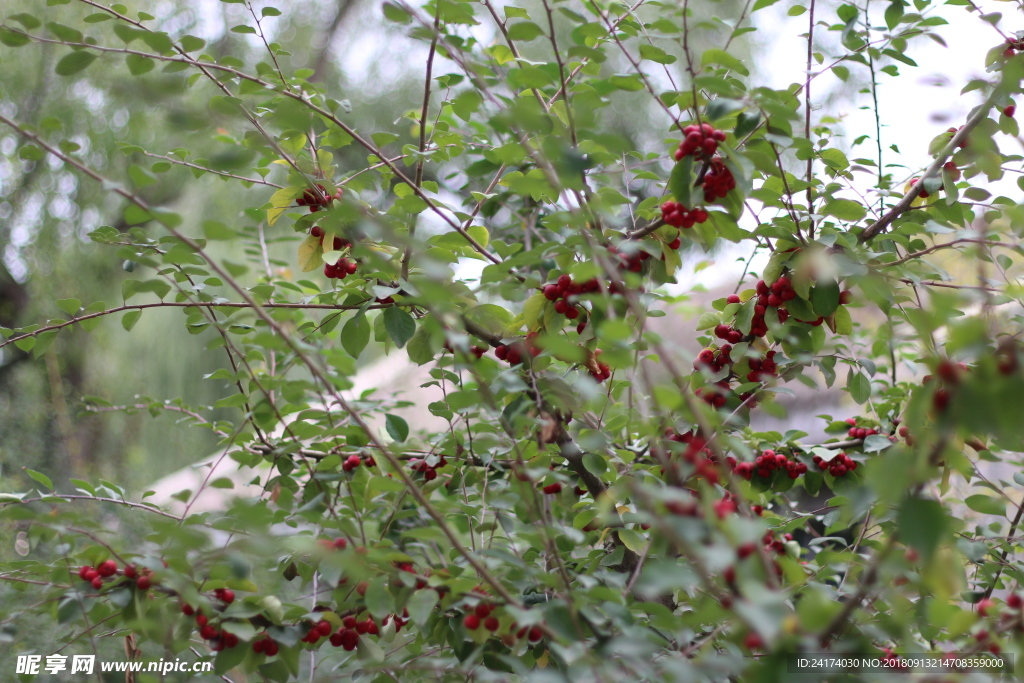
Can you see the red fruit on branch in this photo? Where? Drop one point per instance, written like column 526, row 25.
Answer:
column 1010, row 110
column 471, row 622
column 552, row 489
column 144, row 582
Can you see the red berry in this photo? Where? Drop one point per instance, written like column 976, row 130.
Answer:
column 535, row 634
column 471, row 621
column 482, row 610
column 491, row 623
column 985, row 606
column 207, row 632
column 201, row 620
column 97, row 583
column 733, row 299
column 227, row 596
column 1014, row 601
column 143, row 582
column 553, row 488
column 1010, row 110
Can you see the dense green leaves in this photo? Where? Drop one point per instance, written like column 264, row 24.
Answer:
column 580, row 465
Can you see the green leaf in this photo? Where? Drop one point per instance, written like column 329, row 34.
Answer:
column 858, row 385
column 130, row 318
column 893, row 14
column 400, row 325
column 397, row 428
column 27, row 20
column 40, row 477
column 655, row 54
column 378, row 600
column 524, row 31
column 825, row 297
column 356, row 334
column 746, row 122
column 632, row 540
column 680, row 182
column 12, row 38
column 843, row 321
column 922, row 525
column 844, row 210
column 986, row 505
column 723, row 58
column 138, row 65
column 420, row 349
column 69, row 306
column 191, row 43
column 421, row 604
column 395, row 14
column 74, row 62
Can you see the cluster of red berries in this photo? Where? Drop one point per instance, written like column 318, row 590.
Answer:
column 717, row 394
column 772, row 543
column 564, row 288
column 700, row 141
column 633, row 262
column 225, row 595
column 429, row 471
column 774, row 296
column 949, row 374
column 515, row 352
column 856, row 432
column 765, row 464
column 954, row 130
column 108, row 569
column 316, row 200
column 697, row 454
column 347, row 636
column 950, row 167
column 762, row 369
column 718, row 181
column 838, row 466
column 481, row 615
column 353, row 461
column 715, row 359
column 343, row 267
column 677, row 215
column 477, row 351
column 219, row 640
column 599, row 371
column 336, row 544
column 265, row 645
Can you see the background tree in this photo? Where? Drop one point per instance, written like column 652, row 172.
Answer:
column 593, row 508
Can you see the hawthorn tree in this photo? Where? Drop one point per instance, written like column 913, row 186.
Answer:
column 594, row 508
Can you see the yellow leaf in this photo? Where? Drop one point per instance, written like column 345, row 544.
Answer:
column 280, row 201
column 310, row 253
column 542, row 661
